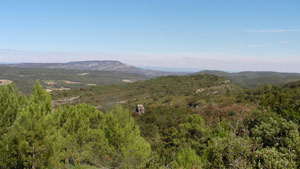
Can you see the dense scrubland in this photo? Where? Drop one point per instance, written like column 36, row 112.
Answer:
column 197, row 121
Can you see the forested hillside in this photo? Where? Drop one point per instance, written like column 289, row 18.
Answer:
column 155, row 90
column 199, row 121
column 195, row 92
column 254, row 79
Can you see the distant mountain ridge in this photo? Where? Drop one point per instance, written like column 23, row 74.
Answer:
column 106, row 65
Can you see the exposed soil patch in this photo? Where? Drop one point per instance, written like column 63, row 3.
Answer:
column 70, row 82
column 5, row 82
column 127, row 81
column 83, row 74
column 91, row 84
column 50, row 89
column 49, row 83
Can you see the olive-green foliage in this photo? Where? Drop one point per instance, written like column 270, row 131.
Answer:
column 187, row 158
column 228, row 152
column 193, row 131
column 173, row 130
column 275, row 139
column 272, row 158
column 276, row 132
column 283, row 100
column 265, row 140
column 278, row 142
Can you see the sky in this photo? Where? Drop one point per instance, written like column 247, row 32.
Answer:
column 229, row 35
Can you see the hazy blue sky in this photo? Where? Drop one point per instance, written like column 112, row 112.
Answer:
column 200, row 34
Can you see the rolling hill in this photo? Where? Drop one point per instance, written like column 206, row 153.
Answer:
column 254, row 79
column 206, row 94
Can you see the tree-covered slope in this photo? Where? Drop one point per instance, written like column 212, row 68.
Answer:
column 170, row 90
column 212, row 96
column 255, row 79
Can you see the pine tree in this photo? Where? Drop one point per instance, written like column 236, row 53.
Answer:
column 130, row 150
column 11, row 103
column 85, row 140
column 32, row 136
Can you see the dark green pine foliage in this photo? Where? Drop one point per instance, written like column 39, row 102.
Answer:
column 85, row 141
column 11, row 103
column 32, row 137
column 128, row 148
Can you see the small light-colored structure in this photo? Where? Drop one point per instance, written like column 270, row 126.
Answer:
column 140, row 109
